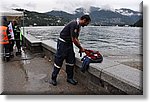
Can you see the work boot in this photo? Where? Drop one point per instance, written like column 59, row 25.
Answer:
column 54, row 76
column 53, row 82
column 18, row 53
column 72, row 81
column 7, row 59
column 11, row 55
column 69, row 71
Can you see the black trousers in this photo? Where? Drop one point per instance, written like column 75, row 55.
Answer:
column 5, row 50
column 18, row 45
column 11, row 42
column 64, row 52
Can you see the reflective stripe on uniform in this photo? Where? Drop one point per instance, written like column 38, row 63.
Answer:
column 69, row 64
column 56, row 66
column 62, row 40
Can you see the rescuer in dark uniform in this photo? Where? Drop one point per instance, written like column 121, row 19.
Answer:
column 68, row 36
column 17, row 36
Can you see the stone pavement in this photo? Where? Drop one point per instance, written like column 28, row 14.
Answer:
column 30, row 74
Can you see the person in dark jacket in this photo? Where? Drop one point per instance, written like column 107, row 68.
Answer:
column 17, row 36
column 68, row 36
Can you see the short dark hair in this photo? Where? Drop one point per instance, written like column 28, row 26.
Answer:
column 87, row 17
column 4, row 21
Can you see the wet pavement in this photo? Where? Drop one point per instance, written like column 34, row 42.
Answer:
column 30, row 74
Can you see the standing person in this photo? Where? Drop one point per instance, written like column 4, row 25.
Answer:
column 4, row 38
column 11, row 39
column 17, row 36
column 68, row 36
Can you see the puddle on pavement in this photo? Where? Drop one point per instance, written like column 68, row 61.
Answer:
column 25, row 57
column 35, row 81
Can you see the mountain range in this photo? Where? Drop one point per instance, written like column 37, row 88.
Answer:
column 99, row 16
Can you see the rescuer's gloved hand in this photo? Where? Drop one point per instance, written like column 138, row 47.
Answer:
column 81, row 50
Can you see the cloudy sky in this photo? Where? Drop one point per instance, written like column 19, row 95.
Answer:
column 68, row 5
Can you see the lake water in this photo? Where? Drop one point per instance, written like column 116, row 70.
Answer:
column 110, row 41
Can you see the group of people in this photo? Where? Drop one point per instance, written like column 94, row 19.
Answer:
column 10, row 35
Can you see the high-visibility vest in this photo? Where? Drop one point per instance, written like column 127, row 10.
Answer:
column 3, row 35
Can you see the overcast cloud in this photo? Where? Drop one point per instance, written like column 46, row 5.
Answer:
column 68, row 5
